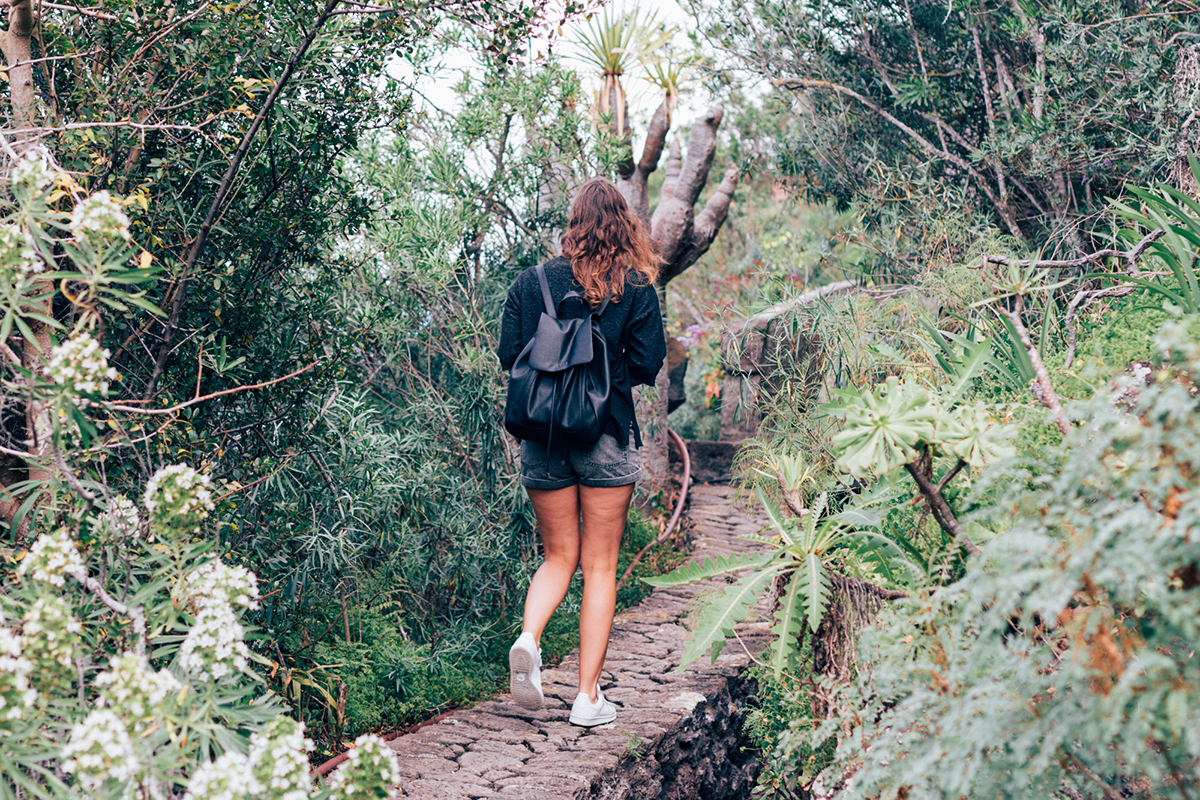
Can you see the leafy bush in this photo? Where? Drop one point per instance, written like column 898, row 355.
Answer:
column 125, row 668
column 1063, row 659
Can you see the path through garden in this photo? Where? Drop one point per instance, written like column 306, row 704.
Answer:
column 677, row 735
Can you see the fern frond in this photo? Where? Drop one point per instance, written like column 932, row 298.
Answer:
column 709, row 568
column 788, row 618
column 814, row 588
column 719, row 616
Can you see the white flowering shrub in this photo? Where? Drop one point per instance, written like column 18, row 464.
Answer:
column 217, row 584
column 133, row 691
column 52, row 558
column 121, row 518
column 279, row 759
column 50, row 637
column 33, row 173
column 178, row 496
column 100, row 750
column 98, row 219
column 370, row 771
column 124, row 666
column 230, row 777
column 18, row 256
column 80, row 366
column 16, row 696
column 214, row 648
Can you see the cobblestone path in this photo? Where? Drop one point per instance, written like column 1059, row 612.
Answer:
column 675, row 736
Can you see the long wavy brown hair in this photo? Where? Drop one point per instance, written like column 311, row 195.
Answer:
column 605, row 242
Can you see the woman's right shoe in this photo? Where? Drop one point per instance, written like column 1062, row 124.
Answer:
column 587, row 714
column 525, row 672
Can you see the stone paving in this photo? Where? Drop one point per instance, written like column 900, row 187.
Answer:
column 675, row 736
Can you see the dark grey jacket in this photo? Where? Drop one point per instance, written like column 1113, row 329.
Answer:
column 632, row 328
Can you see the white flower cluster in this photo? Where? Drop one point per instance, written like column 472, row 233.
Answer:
column 122, row 517
column 79, row 365
column 32, row 172
column 280, row 760
column 216, row 583
column 230, row 777
column 214, row 646
column 52, row 557
column 275, row 769
column 371, row 770
column 134, row 692
column 100, row 749
column 99, row 219
column 50, row 636
column 179, row 497
column 17, row 253
column 15, row 694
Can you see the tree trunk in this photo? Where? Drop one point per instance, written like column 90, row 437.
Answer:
column 17, row 45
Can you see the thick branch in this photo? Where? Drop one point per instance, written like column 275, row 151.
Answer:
column 136, row 614
column 633, row 186
column 1129, row 256
column 705, row 227
column 940, row 509
column 1041, row 387
column 18, row 42
column 218, row 201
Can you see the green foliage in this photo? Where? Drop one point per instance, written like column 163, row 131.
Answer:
column 938, row 122
column 1061, row 659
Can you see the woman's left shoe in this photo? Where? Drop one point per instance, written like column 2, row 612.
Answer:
column 525, row 672
column 587, row 714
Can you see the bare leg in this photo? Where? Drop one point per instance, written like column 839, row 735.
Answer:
column 605, row 511
column 557, row 512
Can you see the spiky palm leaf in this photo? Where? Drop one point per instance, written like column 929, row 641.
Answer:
column 710, row 568
column 719, row 617
column 813, row 588
column 788, row 616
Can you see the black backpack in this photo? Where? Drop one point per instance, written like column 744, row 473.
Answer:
column 559, row 386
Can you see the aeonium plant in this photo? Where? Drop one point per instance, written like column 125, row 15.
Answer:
column 901, row 424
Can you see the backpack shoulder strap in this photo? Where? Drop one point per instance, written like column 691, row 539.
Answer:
column 546, row 297
column 603, row 306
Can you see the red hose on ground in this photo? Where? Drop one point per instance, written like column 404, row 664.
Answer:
column 337, row 760
column 683, row 491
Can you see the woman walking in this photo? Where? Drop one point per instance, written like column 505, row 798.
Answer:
column 581, row 493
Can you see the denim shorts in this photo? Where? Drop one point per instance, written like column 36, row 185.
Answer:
column 605, row 463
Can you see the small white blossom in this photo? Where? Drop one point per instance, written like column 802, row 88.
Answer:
column 81, row 367
column 371, row 770
column 230, row 777
column 15, row 693
column 52, row 557
column 49, row 638
column 18, row 256
column 134, row 692
column 218, row 583
column 179, row 497
column 100, row 750
column 99, row 219
column 33, row 171
column 280, row 760
column 214, row 646
column 122, row 517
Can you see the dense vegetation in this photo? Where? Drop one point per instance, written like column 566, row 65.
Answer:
column 251, row 462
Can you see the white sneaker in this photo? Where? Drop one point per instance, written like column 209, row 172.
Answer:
column 525, row 672
column 587, row 714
